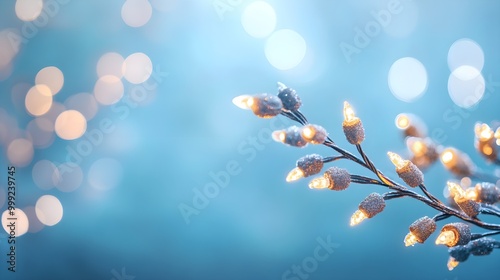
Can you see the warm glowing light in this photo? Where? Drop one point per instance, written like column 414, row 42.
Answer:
column 452, row 263
column 483, row 132
column 279, row 136
column 137, row 67
column 410, row 239
column 447, row 156
column 497, row 134
column 308, row 132
column 319, row 183
column 28, row 10
column 358, row 217
column 49, row 210
column 455, row 190
column 294, row 175
column 349, row 115
column 110, row 63
column 402, row 121
column 397, row 160
column 20, row 152
column 487, row 150
column 38, row 100
column 136, row 13
column 70, row 125
column 471, row 194
column 108, row 90
column 22, row 222
column 417, row 146
column 52, row 77
column 243, row 101
column 446, row 237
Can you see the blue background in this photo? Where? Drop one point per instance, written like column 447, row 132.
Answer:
column 258, row 226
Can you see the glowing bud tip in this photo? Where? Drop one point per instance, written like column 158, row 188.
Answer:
column 357, row 217
column 319, row 183
column 294, row 175
column 410, row 239
column 348, row 112
column 243, row 101
column 445, row 237
column 396, row 160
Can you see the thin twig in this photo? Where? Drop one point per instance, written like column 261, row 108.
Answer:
column 398, row 190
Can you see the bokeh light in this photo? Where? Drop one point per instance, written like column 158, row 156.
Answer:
column 466, row 86
column 108, row 90
column 49, row 210
column 38, row 100
column 22, row 222
column 407, row 79
column 259, row 19
column 45, row 174
column 285, row 49
column 105, row 173
column 465, row 52
column 20, row 152
column 70, row 125
column 84, row 103
column 69, row 177
column 5, row 72
column 136, row 13
column 8, row 47
column 110, row 64
column 137, row 68
column 52, row 77
column 28, row 10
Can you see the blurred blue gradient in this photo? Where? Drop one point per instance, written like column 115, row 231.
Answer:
column 187, row 132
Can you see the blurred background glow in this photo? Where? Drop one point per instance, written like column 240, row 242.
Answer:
column 136, row 13
column 407, row 79
column 465, row 52
column 285, row 49
column 131, row 157
column 108, row 90
column 52, row 77
column 137, row 68
column 28, row 10
column 49, row 210
column 259, row 19
column 70, row 125
column 22, row 222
